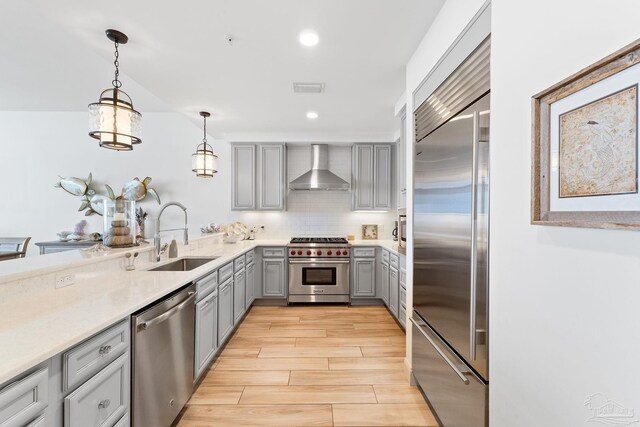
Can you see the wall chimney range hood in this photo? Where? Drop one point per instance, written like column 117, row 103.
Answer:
column 319, row 177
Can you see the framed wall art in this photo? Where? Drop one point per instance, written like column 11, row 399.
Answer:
column 370, row 232
column 585, row 146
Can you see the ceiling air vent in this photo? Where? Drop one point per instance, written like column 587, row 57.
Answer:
column 299, row 87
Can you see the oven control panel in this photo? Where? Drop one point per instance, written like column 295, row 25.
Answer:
column 328, row 252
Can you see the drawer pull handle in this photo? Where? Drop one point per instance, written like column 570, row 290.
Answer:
column 104, row 350
column 104, row 404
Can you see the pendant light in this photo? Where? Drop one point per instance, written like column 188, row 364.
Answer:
column 203, row 162
column 112, row 120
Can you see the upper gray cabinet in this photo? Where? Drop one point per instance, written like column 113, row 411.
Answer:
column 243, row 177
column 258, row 177
column 402, row 162
column 371, row 177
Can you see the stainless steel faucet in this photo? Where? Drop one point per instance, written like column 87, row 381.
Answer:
column 156, row 239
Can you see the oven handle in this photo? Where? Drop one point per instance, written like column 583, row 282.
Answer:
column 319, row 262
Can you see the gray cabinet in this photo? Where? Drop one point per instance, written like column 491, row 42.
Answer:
column 23, row 400
column 102, row 400
column 274, row 277
column 272, row 178
column 384, row 280
column 394, row 285
column 371, row 177
column 250, row 285
column 364, row 277
column 239, row 289
column 225, row 311
column 206, row 337
column 243, row 177
column 402, row 162
column 258, row 177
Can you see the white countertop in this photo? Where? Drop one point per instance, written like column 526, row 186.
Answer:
column 37, row 326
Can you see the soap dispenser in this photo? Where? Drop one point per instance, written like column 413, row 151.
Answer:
column 173, row 248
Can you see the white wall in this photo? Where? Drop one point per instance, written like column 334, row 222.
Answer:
column 452, row 19
column 318, row 213
column 565, row 322
column 36, row 147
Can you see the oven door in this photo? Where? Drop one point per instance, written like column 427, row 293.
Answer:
column 318, row 277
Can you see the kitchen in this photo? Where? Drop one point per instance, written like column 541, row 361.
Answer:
column 310, row 362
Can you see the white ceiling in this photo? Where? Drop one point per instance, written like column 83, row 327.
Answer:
column 55, row 57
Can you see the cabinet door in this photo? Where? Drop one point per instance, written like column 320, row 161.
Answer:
column 362, row 177
column 364, row 278
column 382, row 177
column 239, row 288
column 250, row 285
column 225, row 311
column 393, row 291
column 206, row 332
column 23, row 400
column 271, row 177
column 273, row 278
column 243, row 177
column 402, row 163
column 385, row 283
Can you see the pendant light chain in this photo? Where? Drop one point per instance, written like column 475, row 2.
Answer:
column 116, row 82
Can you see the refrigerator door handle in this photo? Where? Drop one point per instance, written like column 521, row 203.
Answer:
column 440, row 352
column 474, row 236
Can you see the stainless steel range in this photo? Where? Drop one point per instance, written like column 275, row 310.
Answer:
column 319, row 269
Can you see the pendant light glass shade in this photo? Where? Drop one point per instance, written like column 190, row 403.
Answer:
column 203, row 162
column 114, row 122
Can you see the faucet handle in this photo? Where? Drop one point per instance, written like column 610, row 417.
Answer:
column 163, row 248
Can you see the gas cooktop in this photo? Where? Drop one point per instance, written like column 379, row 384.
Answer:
column 320, row 240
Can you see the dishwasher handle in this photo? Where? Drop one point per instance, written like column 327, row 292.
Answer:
column 164, row 316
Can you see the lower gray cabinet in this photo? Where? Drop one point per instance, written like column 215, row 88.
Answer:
column 225, row 310
column 206, row 339
column 274, row 277
column 42, row 422
column 250, row 285
column 364, row 277
column 239, row 289
column 384, row 280
column 394, row 285
column 23, row 400
column 102, row 400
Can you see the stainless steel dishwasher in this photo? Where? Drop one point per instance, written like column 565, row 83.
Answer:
column 163, row 351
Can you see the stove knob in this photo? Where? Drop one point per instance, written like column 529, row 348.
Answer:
column 293, row 252
column 299, row 252
column 319, row 253
column 345, row 253
column 337, row 253
column 308, row 252
column 329, row 253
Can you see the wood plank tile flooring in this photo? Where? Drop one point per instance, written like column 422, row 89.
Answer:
column 310, row 366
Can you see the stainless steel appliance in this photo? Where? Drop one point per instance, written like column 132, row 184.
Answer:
column 319, row 269
column 163, row 354
column 319, row 177
column 402, row 230
column 451, row 240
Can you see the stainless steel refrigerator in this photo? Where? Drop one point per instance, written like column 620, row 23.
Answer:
column 450, row 271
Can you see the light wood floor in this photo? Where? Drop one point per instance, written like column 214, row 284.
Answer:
column 310, row 366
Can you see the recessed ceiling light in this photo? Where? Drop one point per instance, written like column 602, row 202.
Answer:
column 312, row 115
column 309, row 38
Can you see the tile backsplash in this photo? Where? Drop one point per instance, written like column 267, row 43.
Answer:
column 318, row 213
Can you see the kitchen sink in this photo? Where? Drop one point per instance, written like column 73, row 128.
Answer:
column 183, row 264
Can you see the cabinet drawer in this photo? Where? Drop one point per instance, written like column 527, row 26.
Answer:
column 23, row 400
column 394, row 261
column 225, row 272
column 273, row 252
column 364, row 252
column 403, row 297
column 86, row 359
column 250, row 256
column 101, row 401
column 385, row 256
column 205, row 285
column 124, row 421
column 403, row 278
column 238, row 263
column 40, row 422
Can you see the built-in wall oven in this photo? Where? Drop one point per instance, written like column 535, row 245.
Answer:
column 318, row 270
column 402, row 230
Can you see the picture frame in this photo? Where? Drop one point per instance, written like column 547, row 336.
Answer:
column 592, row 116
column 370, row 232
